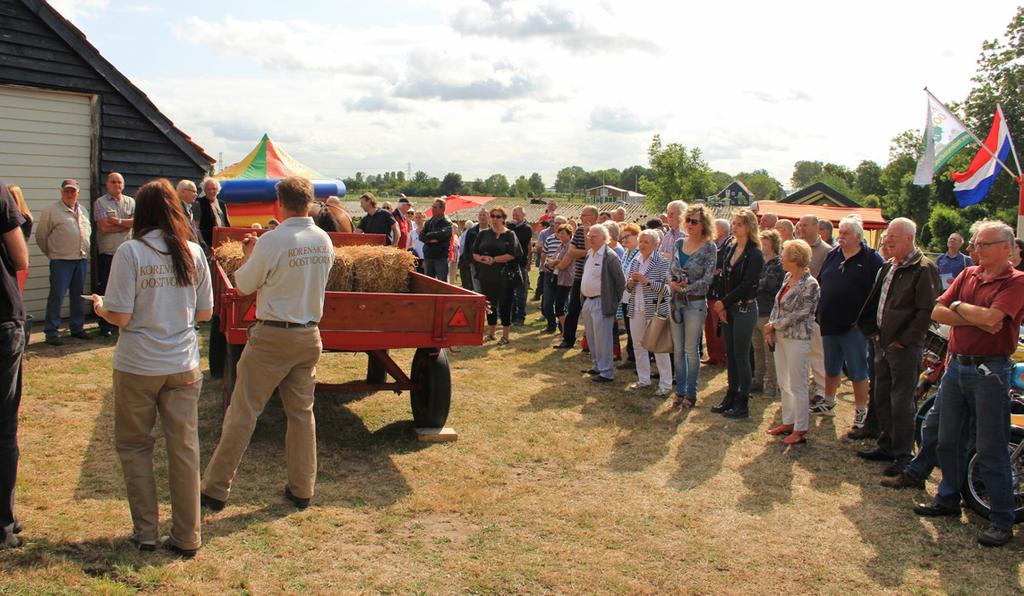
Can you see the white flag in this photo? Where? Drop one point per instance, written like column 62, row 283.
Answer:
column 944, row 135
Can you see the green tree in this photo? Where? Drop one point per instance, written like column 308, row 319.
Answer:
column 868, row 178
column 840, row 172
column 630, row 177
column 804, row 172
column 676, row 173
column 570, row 179
column 520, row 188
column 720, row 180
column 452, row 184
column 497, row 185
column 536, row 184
column 942, row 222
column 762, row 184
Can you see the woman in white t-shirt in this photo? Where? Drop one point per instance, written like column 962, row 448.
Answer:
column 159, row 287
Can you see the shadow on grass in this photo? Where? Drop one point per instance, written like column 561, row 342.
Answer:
column 354, row 464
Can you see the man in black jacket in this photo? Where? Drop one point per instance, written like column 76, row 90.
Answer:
column 896, row 317
column 524, row 233
column 437, row 239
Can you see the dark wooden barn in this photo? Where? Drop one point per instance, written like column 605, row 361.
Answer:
column 66, row 112
column 735, row 194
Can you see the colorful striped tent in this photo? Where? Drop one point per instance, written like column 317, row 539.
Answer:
column 267, row 160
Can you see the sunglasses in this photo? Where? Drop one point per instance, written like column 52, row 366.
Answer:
column 692, row 221
column 497, row 216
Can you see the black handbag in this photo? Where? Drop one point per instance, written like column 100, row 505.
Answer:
column 513, row 274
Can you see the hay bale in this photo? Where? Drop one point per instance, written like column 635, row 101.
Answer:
column 230, row 256
column 340, row 277
column 382, row 269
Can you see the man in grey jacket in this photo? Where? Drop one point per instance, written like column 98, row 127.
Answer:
column 601, row 290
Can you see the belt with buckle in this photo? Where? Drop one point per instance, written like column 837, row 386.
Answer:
column 693, row 297
column 978, row 360
column 286, row 324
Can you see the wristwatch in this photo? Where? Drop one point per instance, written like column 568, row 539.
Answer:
column 953, row 305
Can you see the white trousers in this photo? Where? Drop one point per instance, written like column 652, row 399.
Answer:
column 791, row 363
column 637, row 327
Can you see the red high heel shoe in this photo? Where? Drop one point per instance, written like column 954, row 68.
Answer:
column 796, row 438
column 782, row 429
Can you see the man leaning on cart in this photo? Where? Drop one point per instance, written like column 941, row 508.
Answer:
column 288, row 267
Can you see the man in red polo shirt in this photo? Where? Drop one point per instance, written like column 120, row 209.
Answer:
column 984, row 306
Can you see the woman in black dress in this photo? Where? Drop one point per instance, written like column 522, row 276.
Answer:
column 494, row 248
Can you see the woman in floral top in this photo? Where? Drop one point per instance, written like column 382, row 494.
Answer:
column 690, row 273
column 789, row 329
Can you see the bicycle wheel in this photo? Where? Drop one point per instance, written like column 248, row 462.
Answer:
column 922, row 413
column 974, row 489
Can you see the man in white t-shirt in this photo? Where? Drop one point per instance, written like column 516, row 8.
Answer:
column 288, row 268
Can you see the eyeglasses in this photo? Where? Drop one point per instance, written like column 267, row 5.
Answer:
column 497, row 216
column 695, row 222
column 988, row 244
column 626, row 236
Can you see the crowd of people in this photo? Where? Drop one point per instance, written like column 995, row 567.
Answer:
column 787, row 310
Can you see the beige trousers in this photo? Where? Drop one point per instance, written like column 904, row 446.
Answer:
column 279, row 358
column 764, row 360
column 137, row 400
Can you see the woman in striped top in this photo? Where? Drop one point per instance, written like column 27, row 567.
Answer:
column 647, row 275
column 629, row 238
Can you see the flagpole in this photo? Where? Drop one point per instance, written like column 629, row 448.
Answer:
column 975, row 137
column 1019, row 179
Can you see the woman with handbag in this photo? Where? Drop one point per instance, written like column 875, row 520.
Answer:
column 647, row 310
column 496, row 254
column 690, row 274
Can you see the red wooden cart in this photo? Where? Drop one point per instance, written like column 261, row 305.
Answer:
column 433, row 316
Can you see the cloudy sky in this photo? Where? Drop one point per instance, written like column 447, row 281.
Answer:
column 479, row 87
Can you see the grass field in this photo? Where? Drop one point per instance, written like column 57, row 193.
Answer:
column 555, row 485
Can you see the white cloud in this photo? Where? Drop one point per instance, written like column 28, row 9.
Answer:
column 73, row 10
column 624, row 120
column 581, row 26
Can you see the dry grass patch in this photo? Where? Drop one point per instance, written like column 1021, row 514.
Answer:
column 555, row 485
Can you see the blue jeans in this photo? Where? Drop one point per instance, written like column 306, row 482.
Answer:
column 966, row 392
column 686, row 343
column 598, row 329
column 850, row 348
column 738, row 331
column 12, row 344
column 925, row 461
column 436, row 268
column 65, row 275
column 519, row 300
column 547, row 304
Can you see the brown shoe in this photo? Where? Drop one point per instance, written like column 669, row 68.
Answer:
column 904, row 480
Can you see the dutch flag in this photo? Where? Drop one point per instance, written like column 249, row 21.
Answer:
column 972, row 186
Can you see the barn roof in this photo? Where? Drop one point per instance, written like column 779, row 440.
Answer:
column 813, row 194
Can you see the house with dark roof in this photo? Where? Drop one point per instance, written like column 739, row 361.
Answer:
column 820, row 193
column 66, row 112
column 736, row 194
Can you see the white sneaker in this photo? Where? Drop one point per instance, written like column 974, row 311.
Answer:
column 821, row 407
column 859, row 418
column 637, row 386
column 662, row 392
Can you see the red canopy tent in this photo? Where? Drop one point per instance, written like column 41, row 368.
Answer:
column 871, row 217
column 454, row 203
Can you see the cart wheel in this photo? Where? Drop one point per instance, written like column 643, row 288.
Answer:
column 375, row 373
column 922, row 413
column 432, row 396
column 232, row 353
column 974, row 491
column 218, row 345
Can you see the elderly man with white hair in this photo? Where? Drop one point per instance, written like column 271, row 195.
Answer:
column 601, row 287
column 952, row 262
column 896, row 317
column 984, row 307
column 212, row 211
column 187, row 193
column 846, row 278
column 673, row 230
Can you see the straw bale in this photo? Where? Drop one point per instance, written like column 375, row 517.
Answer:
column 340, row 277
column 383, row 269
column 230, row 256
